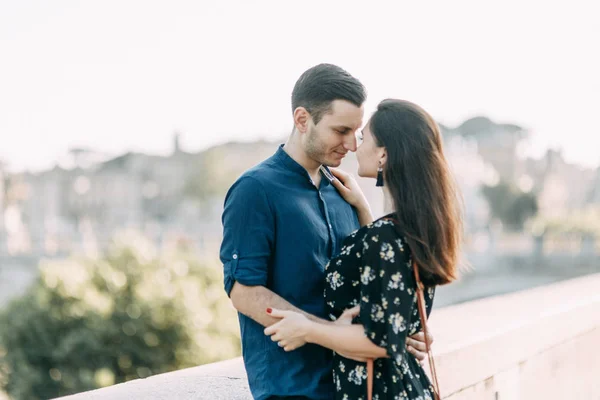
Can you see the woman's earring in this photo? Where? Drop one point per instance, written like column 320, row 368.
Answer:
column 379, row 176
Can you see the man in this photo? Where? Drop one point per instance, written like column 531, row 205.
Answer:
column 282, row 223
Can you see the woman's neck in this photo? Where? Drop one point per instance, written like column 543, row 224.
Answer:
column 388, row 203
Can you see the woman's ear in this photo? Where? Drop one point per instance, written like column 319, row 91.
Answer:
column 383, row 156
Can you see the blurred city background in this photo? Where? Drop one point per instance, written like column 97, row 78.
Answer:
column 123, row 126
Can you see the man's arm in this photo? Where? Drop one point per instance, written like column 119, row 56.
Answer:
column 253, row 301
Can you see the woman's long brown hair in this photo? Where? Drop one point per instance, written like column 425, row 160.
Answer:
column 422, row 188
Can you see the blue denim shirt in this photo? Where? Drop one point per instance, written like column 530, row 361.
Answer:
column 279, row 231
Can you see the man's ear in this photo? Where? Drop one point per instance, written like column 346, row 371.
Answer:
column 301, row 119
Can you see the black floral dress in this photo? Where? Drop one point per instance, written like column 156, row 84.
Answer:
column 374, row 270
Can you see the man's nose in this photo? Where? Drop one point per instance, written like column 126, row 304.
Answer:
column 350, row 143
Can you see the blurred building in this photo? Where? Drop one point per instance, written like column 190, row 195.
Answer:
column 561, row 187
column 70, row 208
column 81, row 205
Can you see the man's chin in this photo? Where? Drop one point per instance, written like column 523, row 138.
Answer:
column 332, row 163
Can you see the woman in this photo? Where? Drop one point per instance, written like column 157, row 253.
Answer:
column 402, row 148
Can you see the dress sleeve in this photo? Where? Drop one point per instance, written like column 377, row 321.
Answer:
column 387, row 289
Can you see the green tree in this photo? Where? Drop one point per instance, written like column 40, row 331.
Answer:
column 88, row 323
column 510, row 205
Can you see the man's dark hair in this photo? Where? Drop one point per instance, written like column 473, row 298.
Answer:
column 320, row 85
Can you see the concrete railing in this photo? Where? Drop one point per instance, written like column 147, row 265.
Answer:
column 541, row 343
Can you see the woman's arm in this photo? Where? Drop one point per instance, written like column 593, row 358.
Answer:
column 365, row 216
column 348, row 188
column 347, row 340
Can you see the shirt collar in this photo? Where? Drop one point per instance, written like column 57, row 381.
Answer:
column 284, row 158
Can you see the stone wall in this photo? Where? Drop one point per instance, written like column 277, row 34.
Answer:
column 541, row 343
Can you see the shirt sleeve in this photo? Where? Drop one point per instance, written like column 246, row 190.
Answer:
column 387, row 290
column 248, row 232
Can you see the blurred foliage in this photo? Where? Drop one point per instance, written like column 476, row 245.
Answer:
column 584, row 222
column 88, row 323
column 509, row 205
column 480, row 127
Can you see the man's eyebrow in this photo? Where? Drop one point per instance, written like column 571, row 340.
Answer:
column 342, row 127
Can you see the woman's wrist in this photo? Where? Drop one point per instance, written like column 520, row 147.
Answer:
column 365, row 216
column 363, row 208
column 309, row 336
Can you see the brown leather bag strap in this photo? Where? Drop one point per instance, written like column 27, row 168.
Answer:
column 370, row 379
column 423, row 316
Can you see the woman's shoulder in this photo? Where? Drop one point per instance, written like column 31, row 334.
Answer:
column 382, row 230
column 384, row 225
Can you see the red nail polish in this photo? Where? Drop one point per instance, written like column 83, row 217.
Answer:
column 269, row 310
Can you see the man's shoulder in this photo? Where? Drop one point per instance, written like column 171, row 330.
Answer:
column 260, row 177
column 262, row 173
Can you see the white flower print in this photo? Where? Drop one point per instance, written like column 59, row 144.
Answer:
column 368, row 275
column 377, row 313
column 357, row 375
column 387, row 252
column 346, row 250
column 381, row 222
column 365, row 246
column 400, row 244
column 398, row 358
column 397, row 322
column 335, row 280
column 396, row 282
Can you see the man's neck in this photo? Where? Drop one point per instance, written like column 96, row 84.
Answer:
column 293, row 149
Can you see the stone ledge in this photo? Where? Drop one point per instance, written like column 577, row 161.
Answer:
column 479, row 339
column 224, row 380
column 499, row 347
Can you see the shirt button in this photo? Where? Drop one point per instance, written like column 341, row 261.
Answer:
column 235, row 256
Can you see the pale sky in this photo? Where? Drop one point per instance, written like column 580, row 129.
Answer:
column 123, row 75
